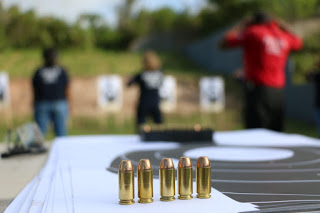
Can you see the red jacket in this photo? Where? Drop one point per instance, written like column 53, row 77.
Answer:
column 266, row 49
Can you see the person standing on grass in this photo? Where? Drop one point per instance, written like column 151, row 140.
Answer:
column 314, row 77
column 266, row 44
column 149, row 81
column 51, row 92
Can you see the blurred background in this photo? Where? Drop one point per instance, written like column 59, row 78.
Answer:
column 102, row 37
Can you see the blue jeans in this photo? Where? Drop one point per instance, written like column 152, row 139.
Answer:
column 54, row 111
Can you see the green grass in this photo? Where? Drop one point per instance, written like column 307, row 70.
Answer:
column 84, row 63
column 298, row 127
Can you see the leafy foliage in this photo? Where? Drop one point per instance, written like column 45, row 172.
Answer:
column 306, row 60
column 25, row 29
column 293, row 9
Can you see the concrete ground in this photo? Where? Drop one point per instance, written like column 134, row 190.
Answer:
column 16, row 172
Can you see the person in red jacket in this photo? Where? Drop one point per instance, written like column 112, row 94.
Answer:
column 266, row 45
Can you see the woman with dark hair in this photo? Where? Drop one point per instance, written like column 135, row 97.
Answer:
column 50, row 88
column 149, row 81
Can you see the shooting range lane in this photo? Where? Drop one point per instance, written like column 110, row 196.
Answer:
column 81, row 174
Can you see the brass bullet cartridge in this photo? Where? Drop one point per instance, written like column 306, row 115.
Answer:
column 203, row 178
column 145, row 181
column 167, row 180
column 185, row 179
column 126, row 183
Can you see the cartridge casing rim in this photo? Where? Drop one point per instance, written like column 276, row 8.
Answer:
column 145, row 200
column 126, row 202
column 201, row 196
column 185, row 197
column 167, row 198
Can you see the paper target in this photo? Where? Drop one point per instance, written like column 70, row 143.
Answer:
column 212, row 94
column 4, row 89
column 168, row 94
column 110, row 92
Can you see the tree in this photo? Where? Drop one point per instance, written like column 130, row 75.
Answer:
column 92, row 21
column 293, row 9
column 125, row 12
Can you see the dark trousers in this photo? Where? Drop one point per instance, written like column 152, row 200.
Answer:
column 264, row 107
column 153, row 111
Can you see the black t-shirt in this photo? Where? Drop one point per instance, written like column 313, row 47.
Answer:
column 149, row 83
column 50, row 84
column 315, row 78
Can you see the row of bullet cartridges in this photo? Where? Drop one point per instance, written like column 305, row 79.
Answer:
column 167, row 180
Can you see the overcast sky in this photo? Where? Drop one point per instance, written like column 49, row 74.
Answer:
column 71, row 9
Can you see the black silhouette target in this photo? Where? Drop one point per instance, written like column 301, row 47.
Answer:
column 287, row 185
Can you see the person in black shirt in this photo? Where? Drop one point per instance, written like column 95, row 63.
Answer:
column 149, row 81
column 314, row 77
column 50, row 88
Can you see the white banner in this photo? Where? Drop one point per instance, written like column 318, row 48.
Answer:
column 212, row 94
column 4, row 89
column 110, row 92
column 168, row 94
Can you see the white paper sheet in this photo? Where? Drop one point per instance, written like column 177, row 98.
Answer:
column 263, row 137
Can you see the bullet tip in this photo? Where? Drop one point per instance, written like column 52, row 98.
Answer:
column 125, row 166
column 184, row 162
column 166, row 163
column 203, row 162
column 144, row 164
